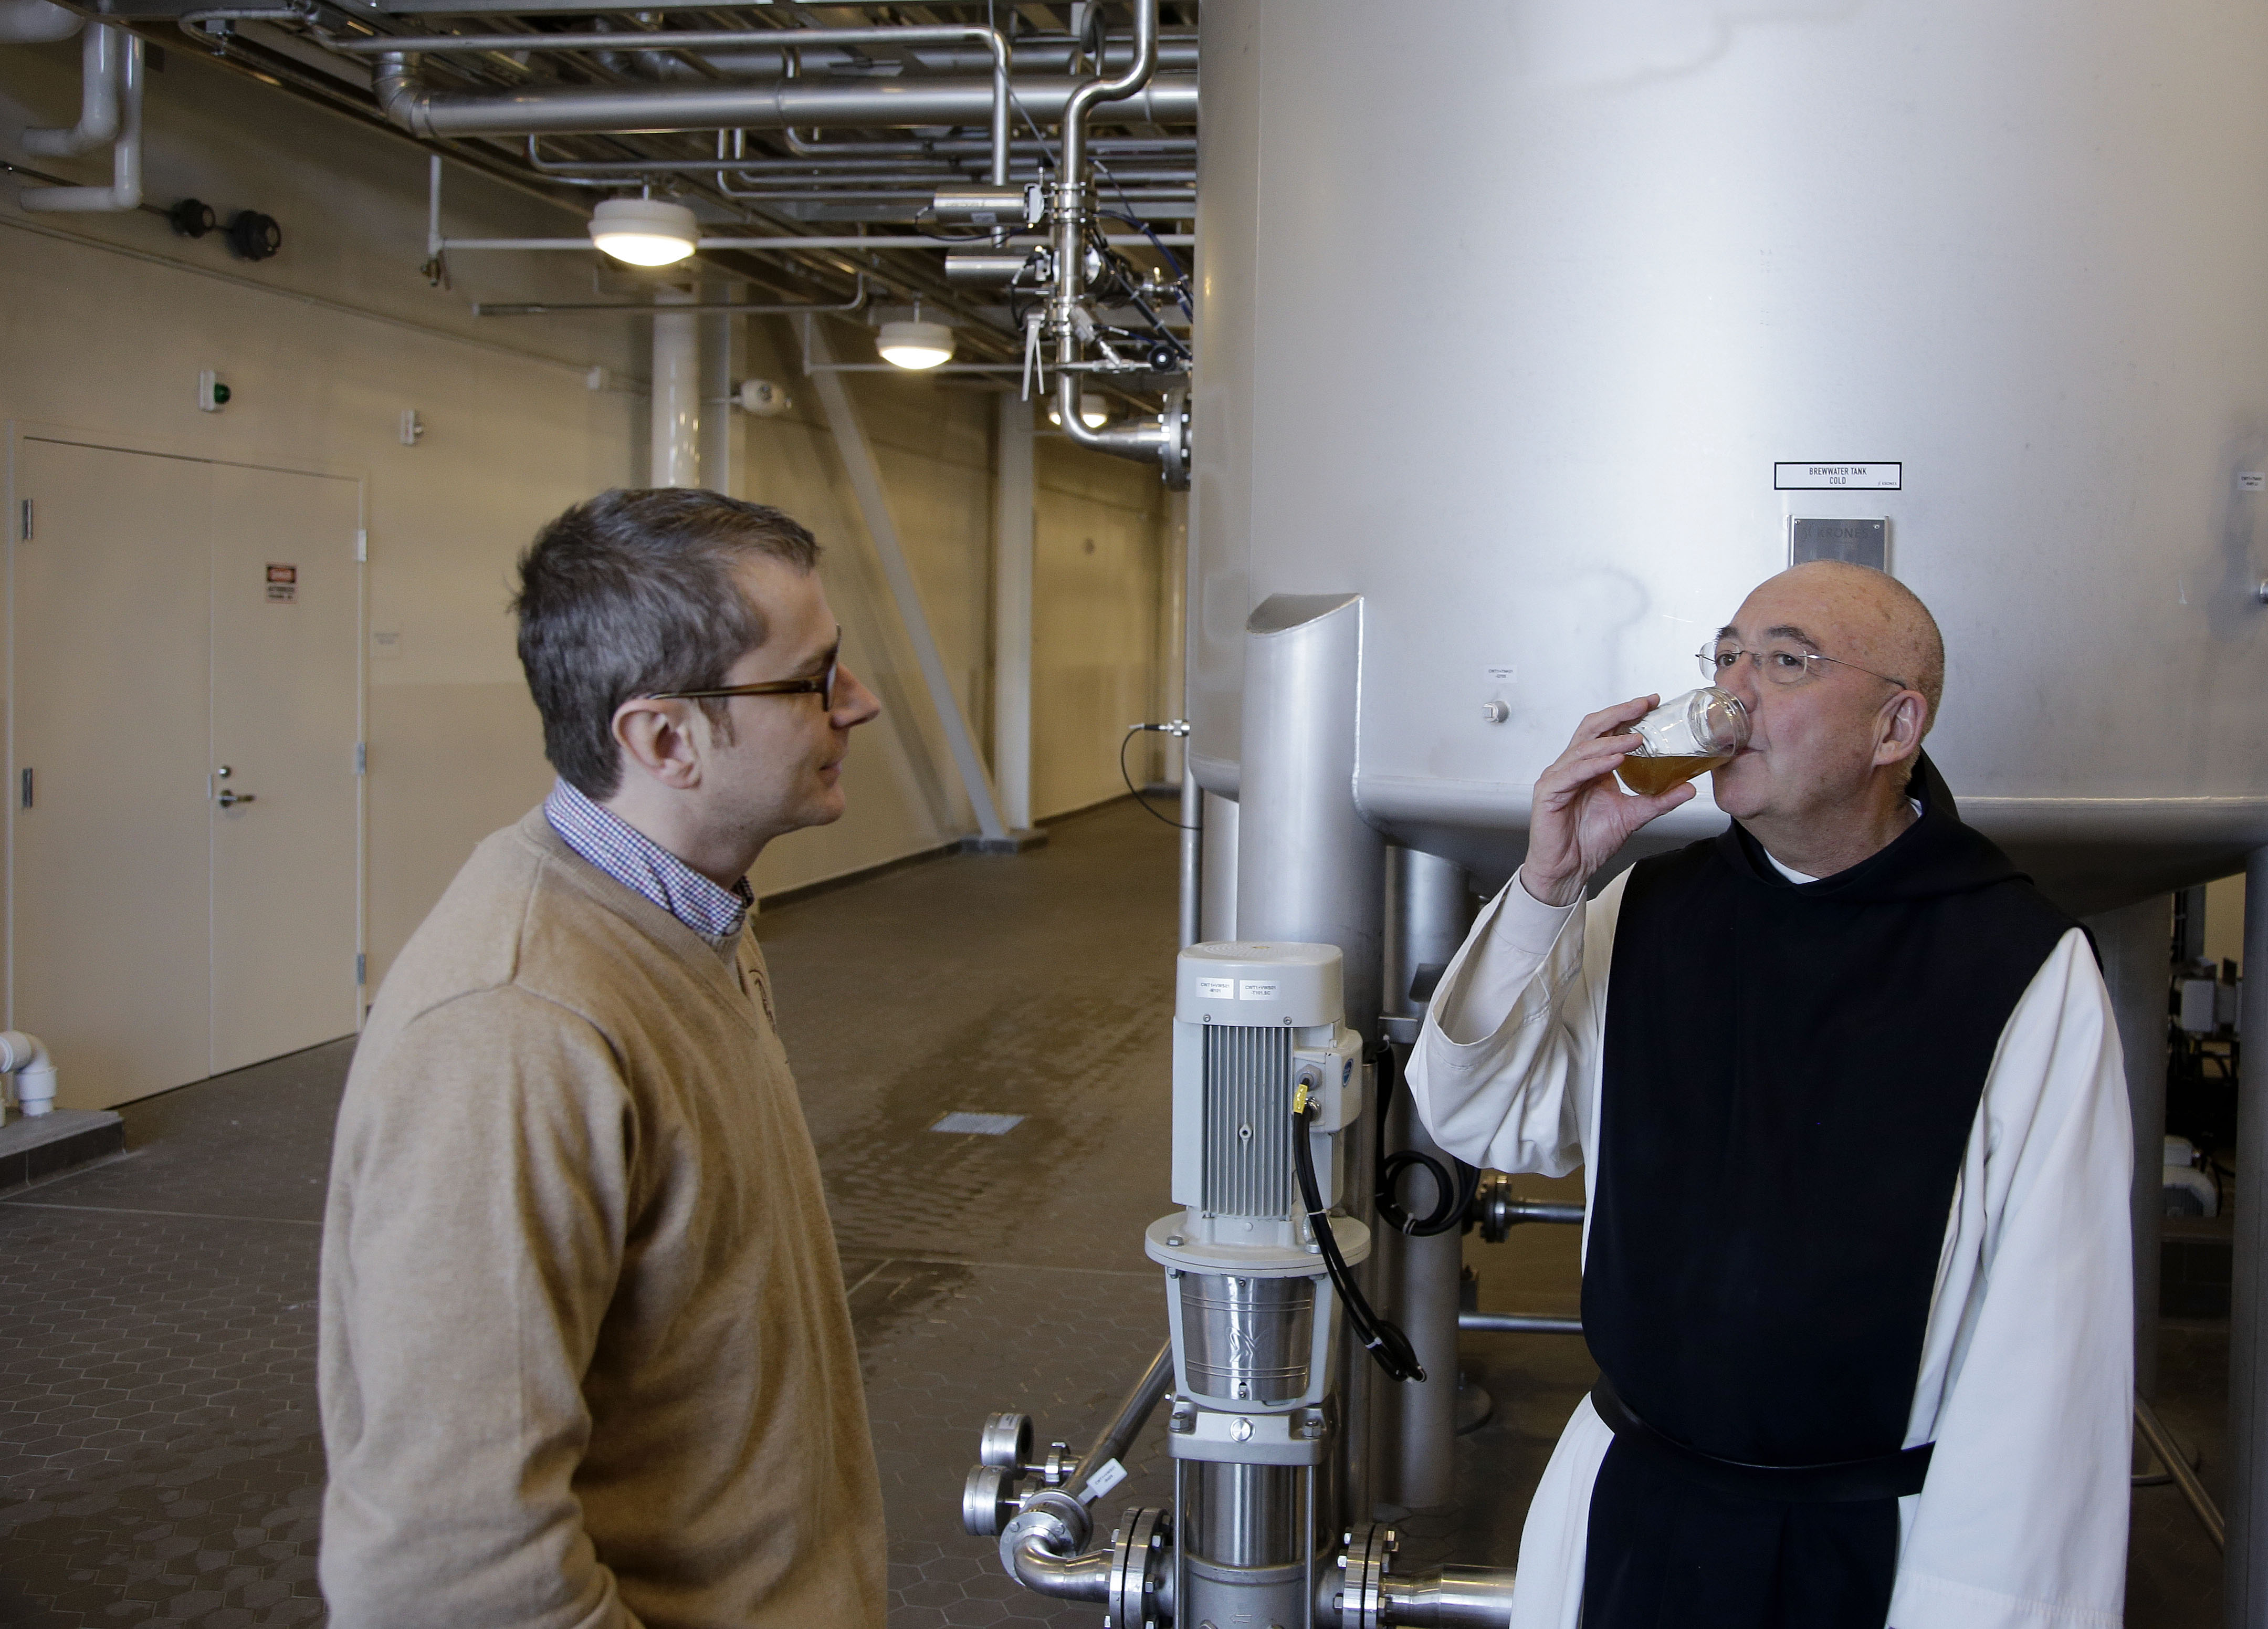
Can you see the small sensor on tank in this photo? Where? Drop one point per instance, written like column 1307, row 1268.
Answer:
column 1860, row 542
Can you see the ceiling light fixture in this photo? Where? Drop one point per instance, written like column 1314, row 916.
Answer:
column 915, row 344
column 1094, row 412
column 645, row 232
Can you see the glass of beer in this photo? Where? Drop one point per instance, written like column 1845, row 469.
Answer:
column 1686, row 736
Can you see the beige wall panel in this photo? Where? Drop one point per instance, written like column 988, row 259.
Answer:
column 449, row 764
column 1094, row 639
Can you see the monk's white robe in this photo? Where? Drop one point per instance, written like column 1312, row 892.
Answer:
column 2026, row 1367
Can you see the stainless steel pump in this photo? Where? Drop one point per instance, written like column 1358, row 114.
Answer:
column 1268, row 1079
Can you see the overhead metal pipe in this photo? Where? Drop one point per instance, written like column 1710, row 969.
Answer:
column 563, row 110
column 992, row 40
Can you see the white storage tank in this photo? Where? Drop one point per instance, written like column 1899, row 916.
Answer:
column 1540, row 326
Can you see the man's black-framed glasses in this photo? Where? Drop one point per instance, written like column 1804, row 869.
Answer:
column 821, row 686
column 1783, row 665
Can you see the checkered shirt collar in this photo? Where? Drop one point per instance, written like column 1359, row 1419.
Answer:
column 644, row 867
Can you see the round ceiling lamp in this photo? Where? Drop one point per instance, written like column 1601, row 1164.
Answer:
column 645, row 232
column 915, row 344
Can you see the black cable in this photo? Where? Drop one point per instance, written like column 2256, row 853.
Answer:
column 1132, row 730
column 1381, row 1338
column 1452, row 1199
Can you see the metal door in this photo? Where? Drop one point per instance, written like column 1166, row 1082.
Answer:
column 286, row 784
column 109, row 880
column 173, row 618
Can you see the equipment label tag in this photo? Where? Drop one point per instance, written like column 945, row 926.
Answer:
column 1821, row 477
column 1107, row 1476
column 1217, row 988
column 1256, row 989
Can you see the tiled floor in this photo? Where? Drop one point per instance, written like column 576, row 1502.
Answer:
column 159, row 1457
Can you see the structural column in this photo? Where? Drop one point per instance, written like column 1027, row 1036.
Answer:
column 676, row 460
column 718, row 429
column 1013, row 500
column 2246, row 1589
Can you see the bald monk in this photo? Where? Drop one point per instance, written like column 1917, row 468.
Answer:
column 1850, row 1107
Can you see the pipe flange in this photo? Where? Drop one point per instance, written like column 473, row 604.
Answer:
column 1362, row 1591
column 987, row 1499
column 1005, row 1440
column 1174, row 446
column 1140, row 1558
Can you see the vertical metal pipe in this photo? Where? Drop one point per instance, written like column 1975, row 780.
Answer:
column 676, row 425
column 2246, row 1588
column 1012, row 499
column 1242, row 1530
column 1191, row 925
column 1429, row 906
column 2136, row 944
column 1309, row 869
column 1216, row 867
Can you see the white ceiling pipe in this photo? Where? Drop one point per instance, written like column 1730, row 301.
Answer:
column 98, row 99
column 25, row 1057
column 36, row 22
column 125, row 189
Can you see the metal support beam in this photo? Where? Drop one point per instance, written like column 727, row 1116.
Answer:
column 2245, row 1591
column 2136, row 944
column 1011, row 609
column 865, row 475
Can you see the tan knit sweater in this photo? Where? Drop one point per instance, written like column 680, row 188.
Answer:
column 586, row 1358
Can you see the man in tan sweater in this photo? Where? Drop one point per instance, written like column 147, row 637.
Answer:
column 585, row 1358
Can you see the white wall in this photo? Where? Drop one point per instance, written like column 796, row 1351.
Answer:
column 105, row 322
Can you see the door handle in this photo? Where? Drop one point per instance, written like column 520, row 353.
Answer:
column 229, row 799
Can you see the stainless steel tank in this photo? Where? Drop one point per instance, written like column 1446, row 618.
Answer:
column 1541, row 326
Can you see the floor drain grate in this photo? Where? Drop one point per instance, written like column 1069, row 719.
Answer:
column 981, row 1124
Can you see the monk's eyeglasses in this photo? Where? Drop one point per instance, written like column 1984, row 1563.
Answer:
column 1783, row 665
column 821, row 685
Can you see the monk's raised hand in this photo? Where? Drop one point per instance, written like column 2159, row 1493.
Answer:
column 1581, row 816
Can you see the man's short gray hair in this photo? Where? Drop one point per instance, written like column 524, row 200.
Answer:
column 634, row 593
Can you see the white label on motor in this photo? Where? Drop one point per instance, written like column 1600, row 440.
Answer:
column 2252, row 481
column 1829, row 477
column 1256, row 989
column 1496, row 676
column 1107, row 1476
column 1217, row 988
